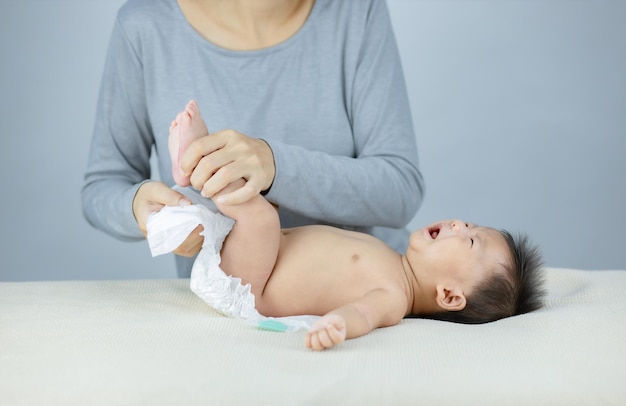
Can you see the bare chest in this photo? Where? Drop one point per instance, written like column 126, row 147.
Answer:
column 317, row 272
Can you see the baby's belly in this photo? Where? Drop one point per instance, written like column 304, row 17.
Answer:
column 314, row 290
column 314, row 275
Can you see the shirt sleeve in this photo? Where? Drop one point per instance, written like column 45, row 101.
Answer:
column 119, row 156
column 381, row 185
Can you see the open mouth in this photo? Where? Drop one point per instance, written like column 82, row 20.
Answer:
column 434, row 231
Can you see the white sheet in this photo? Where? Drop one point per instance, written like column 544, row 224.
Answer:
column 154, row 342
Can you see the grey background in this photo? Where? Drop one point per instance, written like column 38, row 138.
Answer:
column 519, row 108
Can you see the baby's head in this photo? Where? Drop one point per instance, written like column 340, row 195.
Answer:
column 474, row 274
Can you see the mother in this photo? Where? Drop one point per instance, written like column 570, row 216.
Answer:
column 304, row 99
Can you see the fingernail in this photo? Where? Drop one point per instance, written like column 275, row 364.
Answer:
column 184, row 202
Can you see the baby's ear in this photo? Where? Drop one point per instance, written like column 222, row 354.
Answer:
column 450, row 299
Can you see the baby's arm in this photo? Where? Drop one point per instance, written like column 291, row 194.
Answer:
column 377, row 308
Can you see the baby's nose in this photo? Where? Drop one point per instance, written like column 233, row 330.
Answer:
column 458, row 226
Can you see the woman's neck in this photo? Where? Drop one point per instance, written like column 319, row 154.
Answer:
column 246, row 24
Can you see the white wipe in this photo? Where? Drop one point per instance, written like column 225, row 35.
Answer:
column 169, row 227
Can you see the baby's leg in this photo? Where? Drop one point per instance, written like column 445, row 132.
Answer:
column 250, row 250
column 187, row 127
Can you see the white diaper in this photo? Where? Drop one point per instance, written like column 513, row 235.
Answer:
column 169, row 227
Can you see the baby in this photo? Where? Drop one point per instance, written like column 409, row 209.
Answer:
column 452, row 270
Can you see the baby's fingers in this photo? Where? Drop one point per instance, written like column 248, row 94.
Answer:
column 314, row 342
column 325, row 337
column 336, row 335
column 311, row 341
column 239, row 196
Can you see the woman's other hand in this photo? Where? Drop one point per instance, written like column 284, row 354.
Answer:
column 152, row 197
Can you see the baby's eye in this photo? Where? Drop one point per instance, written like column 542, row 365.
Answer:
column 472, row 242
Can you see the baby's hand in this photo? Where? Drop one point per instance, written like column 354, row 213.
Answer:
column 327, row 332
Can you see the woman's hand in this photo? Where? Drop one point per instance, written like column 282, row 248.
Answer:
column 152, row 197
column 216, row 160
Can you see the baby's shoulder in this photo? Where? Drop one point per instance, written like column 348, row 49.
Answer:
column 390, row 302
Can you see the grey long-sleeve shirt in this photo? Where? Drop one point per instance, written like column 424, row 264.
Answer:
column 330, row 101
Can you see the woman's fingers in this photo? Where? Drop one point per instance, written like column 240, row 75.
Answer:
column 198, row 149
column 151, row 197
column 220, row 158
column 241, row 195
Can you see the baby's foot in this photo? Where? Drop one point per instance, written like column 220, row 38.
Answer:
column 172, row 146
column 187, row 127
